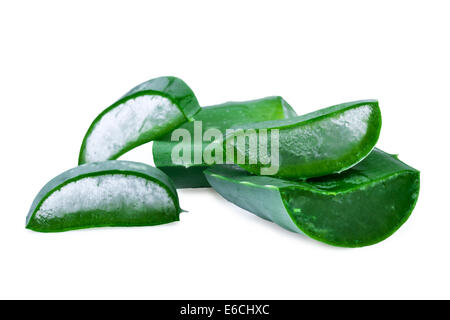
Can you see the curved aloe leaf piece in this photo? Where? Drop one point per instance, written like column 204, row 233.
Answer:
column 221, row 117
column 100, row 194
column 358, row 207
column 145, row 113
column 327, row 141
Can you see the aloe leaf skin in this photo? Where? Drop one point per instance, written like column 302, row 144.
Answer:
column 320, row 143
column 145, row 113
column 221, row 117
column 104, row 194
column 358, row 207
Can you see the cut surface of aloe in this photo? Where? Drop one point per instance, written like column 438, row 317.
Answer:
column 358, row 207
column 100, row 194
column 323, row 142
column 145, row 113
column 221, row 117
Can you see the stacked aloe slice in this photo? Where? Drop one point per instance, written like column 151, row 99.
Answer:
column 316, row 174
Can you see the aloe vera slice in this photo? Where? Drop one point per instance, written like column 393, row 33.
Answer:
column 323, row 142
column 221, row 117
column 100, row 194
column 358, row 207
column 145, row 113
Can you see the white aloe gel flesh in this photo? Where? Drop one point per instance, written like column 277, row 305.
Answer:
column 305, row 144
column 125, row 124
column 107, row 193
column 316, row 141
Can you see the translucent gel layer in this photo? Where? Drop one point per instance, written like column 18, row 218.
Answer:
column 129, row 122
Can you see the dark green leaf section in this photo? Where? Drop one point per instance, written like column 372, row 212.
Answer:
column 121, row 215
column 320, row 143
column 172, row 88
column 221, row 117
column 359, row 207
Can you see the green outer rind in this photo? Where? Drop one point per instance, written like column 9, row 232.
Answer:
column 172, row 88
column 190, row 177
column 222, row 116
column 102, row 168
column 277, row 208
column 330, row 166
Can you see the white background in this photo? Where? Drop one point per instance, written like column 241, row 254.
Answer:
column 61, row 64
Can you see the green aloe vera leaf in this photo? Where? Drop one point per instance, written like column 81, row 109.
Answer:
column 145, row 113
column 358, row 207
column 101, row 194
column 323, row 142
column 221, row 117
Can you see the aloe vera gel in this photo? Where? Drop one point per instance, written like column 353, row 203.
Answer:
column 318, row 174
column 145, row 113
column 323, row 142
column 110, row 193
